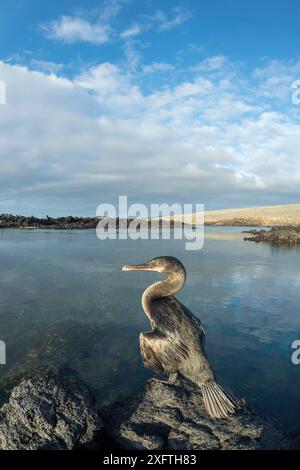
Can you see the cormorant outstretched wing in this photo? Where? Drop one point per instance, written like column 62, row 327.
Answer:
column 160, row 352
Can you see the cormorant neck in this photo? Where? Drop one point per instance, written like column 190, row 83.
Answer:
column 173, row 284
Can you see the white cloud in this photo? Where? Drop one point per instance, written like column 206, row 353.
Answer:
column 45, row 66
column 111, row 8
column 80, row 28
column 213, row 63
column 132, row 54
column 159, row 21
column 275, row 78
column 105, row 79
column 130, row 32
column 167, row 21
column 68, row 145
column 157, row 67
column 70, row 29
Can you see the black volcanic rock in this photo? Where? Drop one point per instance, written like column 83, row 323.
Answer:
column 277, row 235
column 80, row 223
column 167, row 416
column 59, row 223
column 58, row 414
column 47, row 414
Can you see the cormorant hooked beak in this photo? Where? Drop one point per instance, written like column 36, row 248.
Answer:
column 139, row 267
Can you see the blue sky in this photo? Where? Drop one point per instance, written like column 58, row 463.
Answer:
column 243, row 30
column 164, row 101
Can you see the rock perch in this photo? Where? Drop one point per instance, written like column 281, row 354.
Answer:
column 56, row 414
column 167, row 416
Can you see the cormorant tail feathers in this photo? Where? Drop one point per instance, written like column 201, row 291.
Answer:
column 218, row 402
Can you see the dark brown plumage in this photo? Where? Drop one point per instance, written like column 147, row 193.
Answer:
column 175, row 344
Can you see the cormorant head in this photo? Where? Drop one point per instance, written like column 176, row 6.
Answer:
column 163, row 264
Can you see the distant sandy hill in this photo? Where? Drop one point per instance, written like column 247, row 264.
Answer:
column 288, row 214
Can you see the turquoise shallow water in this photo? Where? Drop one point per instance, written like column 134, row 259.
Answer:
column 64, row 301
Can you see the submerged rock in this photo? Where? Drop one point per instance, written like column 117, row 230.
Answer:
column 167, row 416
column 76, row 349
column 44, row 413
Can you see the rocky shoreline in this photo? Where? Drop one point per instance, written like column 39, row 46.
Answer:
column 78, row 223
column 59, row 414
column 280, row 234
column 85, row 223
column 59, row 223
column 236, row 222
column 276, row 235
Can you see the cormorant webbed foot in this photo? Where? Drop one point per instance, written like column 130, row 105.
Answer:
column 172, row 379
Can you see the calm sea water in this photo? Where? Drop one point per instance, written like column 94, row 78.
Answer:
column 65, row 303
